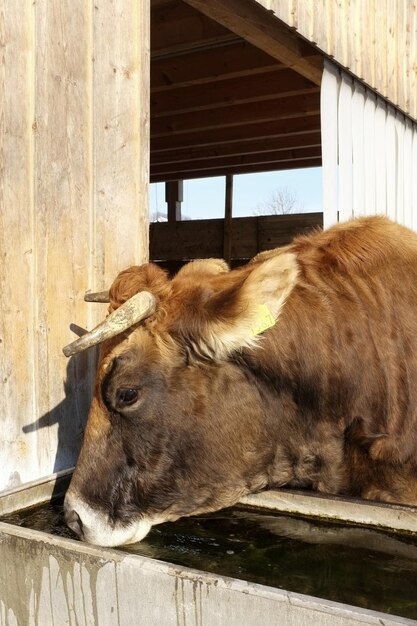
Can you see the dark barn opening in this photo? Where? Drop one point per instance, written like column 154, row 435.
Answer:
column 222, row 106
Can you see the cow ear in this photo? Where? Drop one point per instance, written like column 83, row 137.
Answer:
column 271, row 281
column 240, row 313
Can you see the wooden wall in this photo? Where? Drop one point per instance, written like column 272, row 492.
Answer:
column 375, row 39
column 73, row 207
column 198, row 239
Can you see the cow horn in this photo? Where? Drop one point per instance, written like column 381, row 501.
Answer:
column 137, row 308
column 98, row 296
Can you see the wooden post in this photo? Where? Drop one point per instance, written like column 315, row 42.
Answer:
column 74, row 148
column 227, row 232
column 173, row 198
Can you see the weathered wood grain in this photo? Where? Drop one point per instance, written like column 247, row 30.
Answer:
column 17, row 244
column 74, row 143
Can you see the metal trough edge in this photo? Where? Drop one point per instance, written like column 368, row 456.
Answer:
column 382, row 515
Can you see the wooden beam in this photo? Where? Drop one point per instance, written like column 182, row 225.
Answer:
column 222, row 163
column 313, row 161
column 177, row 28
column 232, row 60
column 173, row 198
column 237, row 115
column 227, row 225
column 222, row 137
column 251, row 146
column 249, row 20
column 277, row 83
column 159, row 3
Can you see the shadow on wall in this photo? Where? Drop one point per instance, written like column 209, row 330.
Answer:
column 71, row 414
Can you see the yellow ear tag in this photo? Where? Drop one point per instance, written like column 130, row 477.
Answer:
column 264, row 320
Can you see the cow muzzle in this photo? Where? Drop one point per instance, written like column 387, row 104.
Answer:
column 95, row 527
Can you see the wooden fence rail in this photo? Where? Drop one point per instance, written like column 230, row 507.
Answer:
column 181, row 241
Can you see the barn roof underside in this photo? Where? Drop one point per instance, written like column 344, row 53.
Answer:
column 222, row 105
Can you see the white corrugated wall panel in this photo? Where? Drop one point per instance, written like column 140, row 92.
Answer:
column 414, row 179
column 380, row 190
column 358, row 150
column 369, row 153
column 345, row 149
column 369, row 125
column 329, row 116
column 408, row 173
column 391, row 161
column 399, row 170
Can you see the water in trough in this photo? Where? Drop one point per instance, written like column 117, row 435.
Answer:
column 359, row 566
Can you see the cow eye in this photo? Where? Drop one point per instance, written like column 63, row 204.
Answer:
column 126, row 397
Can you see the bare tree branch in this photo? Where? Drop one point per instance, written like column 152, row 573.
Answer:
column 281, row 202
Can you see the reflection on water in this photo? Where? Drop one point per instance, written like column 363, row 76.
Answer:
column 359, row 566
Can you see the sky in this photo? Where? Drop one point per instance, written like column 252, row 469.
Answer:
column 204, row 198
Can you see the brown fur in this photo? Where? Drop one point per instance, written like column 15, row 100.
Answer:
column 137, row 278
column 349, row 269
column 326, row 398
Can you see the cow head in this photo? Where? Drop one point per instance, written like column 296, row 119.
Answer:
column 177, row 426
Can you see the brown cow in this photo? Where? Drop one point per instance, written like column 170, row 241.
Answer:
column 299, row 369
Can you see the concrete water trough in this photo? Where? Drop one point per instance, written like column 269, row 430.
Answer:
column 288, row 541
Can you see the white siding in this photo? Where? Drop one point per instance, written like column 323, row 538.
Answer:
column 369, row 153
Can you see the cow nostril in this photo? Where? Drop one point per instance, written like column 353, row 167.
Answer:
column 74, row 522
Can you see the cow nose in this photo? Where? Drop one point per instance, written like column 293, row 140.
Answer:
column 74, row 522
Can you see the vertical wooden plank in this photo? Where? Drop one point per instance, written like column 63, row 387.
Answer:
column 227, row 224
column 412, row 66
column 173, row 198
column 342, row 48
column 329, row 97
column 318, row 30
column 62, row 188
column 284, row 9
column 121, row 136
column 73, row 207
column 391, row 51
column 381, row 29
column 331, row 13
column 305, row 18
column 356, row 51
column 402, row 40
column 369, row 40
column 293, row 18
column 17, row 401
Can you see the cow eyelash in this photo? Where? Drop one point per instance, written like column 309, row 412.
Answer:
column 127, row 396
